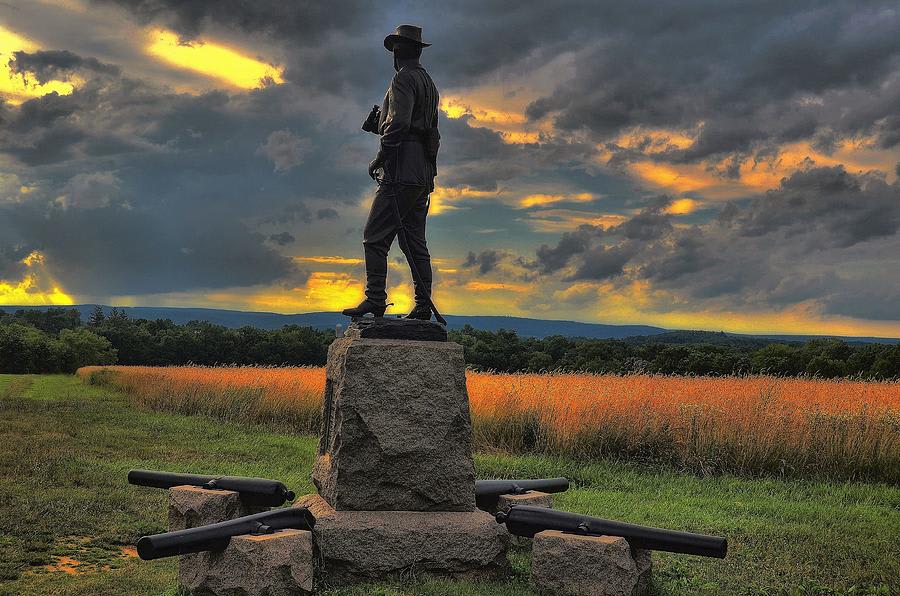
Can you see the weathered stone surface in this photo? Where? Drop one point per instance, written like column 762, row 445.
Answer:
column 388, row 328
column 356, row 546
column 534, row 498
column 396, row 432
column 190, row 506
column 266, row 565
column 574, row 565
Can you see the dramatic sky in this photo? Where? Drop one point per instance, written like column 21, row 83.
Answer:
column 699, row 164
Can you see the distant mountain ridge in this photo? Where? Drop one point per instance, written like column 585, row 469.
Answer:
column 538, row 328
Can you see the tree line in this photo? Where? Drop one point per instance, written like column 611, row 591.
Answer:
column 57, row 340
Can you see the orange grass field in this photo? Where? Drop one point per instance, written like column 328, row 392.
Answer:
column 754, row 425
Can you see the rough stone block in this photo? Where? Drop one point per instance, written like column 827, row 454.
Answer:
column 534, row 498
column 396, row 430
column 357, row 546
column 575, row 565
column 278, row 564
column 191, row 506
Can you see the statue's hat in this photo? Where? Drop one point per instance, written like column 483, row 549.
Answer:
column 405, row 33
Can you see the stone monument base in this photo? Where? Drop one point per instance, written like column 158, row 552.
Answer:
column 358, row 546
column 575, row 565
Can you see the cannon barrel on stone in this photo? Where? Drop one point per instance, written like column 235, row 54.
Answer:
column 523, row 520
column 487, row 492
column 258, row 492
column 216, row 536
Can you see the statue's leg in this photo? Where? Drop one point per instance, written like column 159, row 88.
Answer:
column 378, row 235
column 414, row 223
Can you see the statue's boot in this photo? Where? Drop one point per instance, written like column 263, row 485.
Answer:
column 422, row 309
column 421, row 312
column 365, row 307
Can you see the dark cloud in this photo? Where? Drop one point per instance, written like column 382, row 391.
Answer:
column 48, row 65
column 114, row 250
column 749, row 76
column 142, row 190
column 327, row 213
column 603, row 262
column 552, row 259
column 486, row 260
column 285, row 149
column 821, row 236
column 305, row 21
column 11, row 265
column 282, row 239
column 828, row 206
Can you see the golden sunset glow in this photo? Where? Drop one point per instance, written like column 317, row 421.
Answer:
column 682, row 206
column 213, row 60
column 16, row 88
column 494, row 114
column 332, row 260
column 638, row 302
column 489, row 286
column 442, row 198
column 36, row 288
column 860, row 155
column 565, row 220
column 548, row 199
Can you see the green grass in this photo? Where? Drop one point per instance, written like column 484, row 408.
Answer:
column 65, row 449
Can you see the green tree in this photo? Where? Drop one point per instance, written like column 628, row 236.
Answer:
column 85, row 348
column 97, row 317
column 777, row 359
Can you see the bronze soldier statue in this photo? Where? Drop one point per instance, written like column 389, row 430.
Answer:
column 407, row 163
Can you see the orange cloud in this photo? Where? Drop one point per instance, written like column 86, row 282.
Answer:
column 442, row 198
column 486, row 108
column 564, row 220
column 336, row 260
column 547, row 199
column 682, row 206
column 490, row 286
column 753, row 177
column 212, row 59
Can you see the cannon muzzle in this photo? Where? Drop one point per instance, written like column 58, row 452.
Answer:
column 523, row 520
column 259, row 492
column 217, row 536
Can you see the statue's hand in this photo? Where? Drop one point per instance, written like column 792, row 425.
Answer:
column 374, row 165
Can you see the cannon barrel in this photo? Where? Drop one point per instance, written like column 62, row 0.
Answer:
column 259, row 492
column 216, row 536
column 523, row 520
column 487, row 492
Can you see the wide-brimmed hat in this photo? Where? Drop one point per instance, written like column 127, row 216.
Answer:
column 405, row 33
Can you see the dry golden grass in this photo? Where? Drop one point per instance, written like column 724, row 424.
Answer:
column 744, row 425
column 287, row 397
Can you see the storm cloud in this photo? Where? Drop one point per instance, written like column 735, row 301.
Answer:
column 816, row 237
column 148, row 178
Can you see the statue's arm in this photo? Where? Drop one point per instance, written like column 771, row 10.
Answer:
column 402, row 97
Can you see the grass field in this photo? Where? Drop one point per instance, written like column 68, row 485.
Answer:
column 751, row 426
column 65, row 448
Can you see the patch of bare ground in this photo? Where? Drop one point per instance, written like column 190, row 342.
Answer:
column 75, row 555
